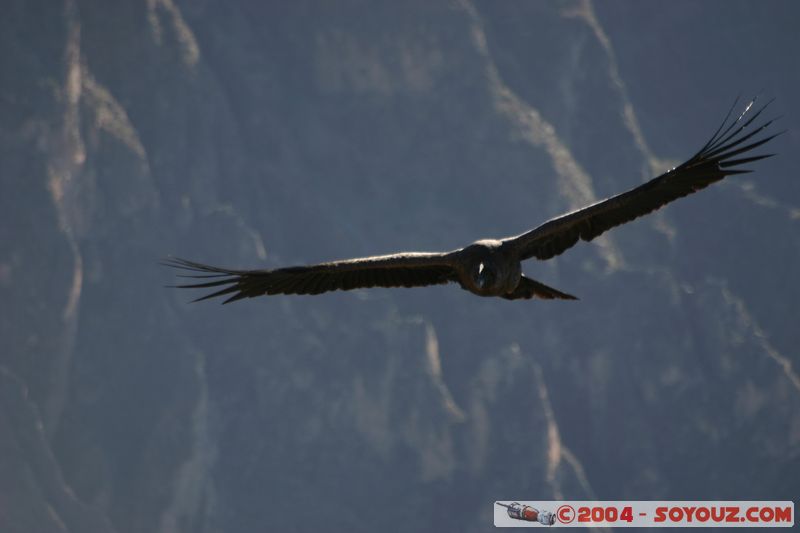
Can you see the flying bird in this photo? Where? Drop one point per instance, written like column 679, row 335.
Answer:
column 492, row 267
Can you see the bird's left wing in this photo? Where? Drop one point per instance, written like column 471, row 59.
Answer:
column 397, row 270
column 712, row 163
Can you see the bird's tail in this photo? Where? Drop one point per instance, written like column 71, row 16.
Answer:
column 530, row 288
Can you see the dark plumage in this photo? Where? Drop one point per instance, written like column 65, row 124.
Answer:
column 492, row 267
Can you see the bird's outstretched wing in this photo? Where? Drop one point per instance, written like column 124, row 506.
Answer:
column 712, row 163
column 398, row 270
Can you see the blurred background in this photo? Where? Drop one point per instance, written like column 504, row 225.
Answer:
column 254, row 134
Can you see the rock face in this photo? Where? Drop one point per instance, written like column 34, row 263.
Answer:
column 250, row 133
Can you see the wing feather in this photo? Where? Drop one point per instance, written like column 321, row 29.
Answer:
column 398, row 270
column 711, row 164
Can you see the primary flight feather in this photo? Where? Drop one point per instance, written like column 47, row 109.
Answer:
column 492, row 267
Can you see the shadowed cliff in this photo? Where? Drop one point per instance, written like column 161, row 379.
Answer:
column 264, row 134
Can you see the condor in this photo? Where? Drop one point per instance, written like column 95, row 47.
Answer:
column 492, row 267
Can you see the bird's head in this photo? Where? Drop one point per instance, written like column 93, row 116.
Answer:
column 484, row 275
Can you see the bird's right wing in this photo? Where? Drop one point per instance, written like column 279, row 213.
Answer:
column 397, row 270
column 712, row 163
